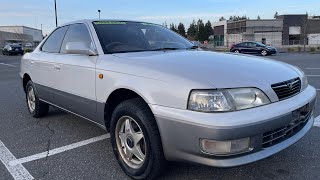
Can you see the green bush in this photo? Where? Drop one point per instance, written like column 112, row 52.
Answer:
column 312, row 49
column 299, row 48
column 28, row 50
column 318, row 47
column 290, row 49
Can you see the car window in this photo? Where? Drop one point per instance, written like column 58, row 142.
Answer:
column 251, row 44
column 54, row 41
column 76, row 33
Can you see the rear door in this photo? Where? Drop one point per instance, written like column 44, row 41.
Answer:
column 75, row 75
column 253, row 48
column 42, row 63
column 243, row 47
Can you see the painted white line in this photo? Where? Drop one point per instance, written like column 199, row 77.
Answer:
column 8, row 65
column 18, row 172
column 317, row 121
column 312, row 68
column 58, row 150
column 313, row 75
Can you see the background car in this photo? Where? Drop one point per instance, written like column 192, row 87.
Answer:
column 12, row 49
column 29, row 45
column 253, row 48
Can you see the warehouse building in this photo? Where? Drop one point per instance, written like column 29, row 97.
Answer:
column 283, row 30
column 19, row 34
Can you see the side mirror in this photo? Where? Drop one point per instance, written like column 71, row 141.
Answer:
column 80, row 48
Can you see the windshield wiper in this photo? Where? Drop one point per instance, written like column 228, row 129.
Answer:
column 166, row 48
column 193, row 47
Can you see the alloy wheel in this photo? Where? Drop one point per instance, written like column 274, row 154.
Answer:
column 31, row 98
column 130, row 142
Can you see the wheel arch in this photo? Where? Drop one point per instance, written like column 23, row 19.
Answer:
column 115, row 98
column 26, row 78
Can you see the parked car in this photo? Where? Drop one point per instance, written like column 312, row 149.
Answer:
column 253, row 48
column 162, row 99
column 29, row 45
column 12, row 49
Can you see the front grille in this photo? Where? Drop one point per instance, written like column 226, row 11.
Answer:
column 300, row 119
column 287, row 89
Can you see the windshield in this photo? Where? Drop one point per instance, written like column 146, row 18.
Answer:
column 120, row 37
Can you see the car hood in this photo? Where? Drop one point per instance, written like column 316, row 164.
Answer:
column 221, row 70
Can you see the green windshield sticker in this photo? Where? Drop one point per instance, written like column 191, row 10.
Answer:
column 149, row 24
column 109, row 22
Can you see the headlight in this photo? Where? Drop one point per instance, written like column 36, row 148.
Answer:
column 226, row 99
column 304, row 79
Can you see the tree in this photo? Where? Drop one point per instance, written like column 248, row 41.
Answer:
column 222, row 18
column 173, row 27
column 231, row 18
column 165, row 24
column 276, row 15
column 258, row 17
column 181, row 30
column 201, row 35
column 192, row 30
column 208, row 30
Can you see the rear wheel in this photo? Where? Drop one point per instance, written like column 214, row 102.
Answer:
column 136, row 140
column 35, row 106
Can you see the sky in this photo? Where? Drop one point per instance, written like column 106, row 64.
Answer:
column 33, row 13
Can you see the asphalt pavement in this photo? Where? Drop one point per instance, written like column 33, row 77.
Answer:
column 83, row 151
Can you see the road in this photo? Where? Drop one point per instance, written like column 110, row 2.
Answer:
column 25, row 137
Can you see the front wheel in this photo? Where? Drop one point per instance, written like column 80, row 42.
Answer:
column 237, row 51
column 35, row 106
column 264, row 53
column 136, row 140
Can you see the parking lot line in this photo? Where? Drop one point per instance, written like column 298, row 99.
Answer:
column 317, row 121
column 58, row 150
column 17, row 171
column 8, row 65
column 312, row 68
column 313, row 75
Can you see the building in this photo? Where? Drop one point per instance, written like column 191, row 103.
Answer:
column 283, row 30
column 19, row 34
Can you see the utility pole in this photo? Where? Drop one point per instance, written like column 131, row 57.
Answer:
column 55, row 10
column 99, row 12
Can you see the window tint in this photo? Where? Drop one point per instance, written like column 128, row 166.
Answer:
column 76, row 33
column 53, row 43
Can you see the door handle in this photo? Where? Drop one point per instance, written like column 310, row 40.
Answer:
column 56, row 67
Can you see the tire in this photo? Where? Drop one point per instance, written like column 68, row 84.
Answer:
column 264, row 53
column 137, row 113
column 36, row 108
column 237, row 51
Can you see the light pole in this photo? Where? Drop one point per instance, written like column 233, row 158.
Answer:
column 99, row 12
column 41, row 31
column 55, row 11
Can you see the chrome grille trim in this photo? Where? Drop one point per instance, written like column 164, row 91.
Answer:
column 287, row 89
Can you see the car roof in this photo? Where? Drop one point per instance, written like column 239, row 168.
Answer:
column 93, row 20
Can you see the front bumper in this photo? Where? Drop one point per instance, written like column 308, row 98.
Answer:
column 181, row 130
column 272, row 51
